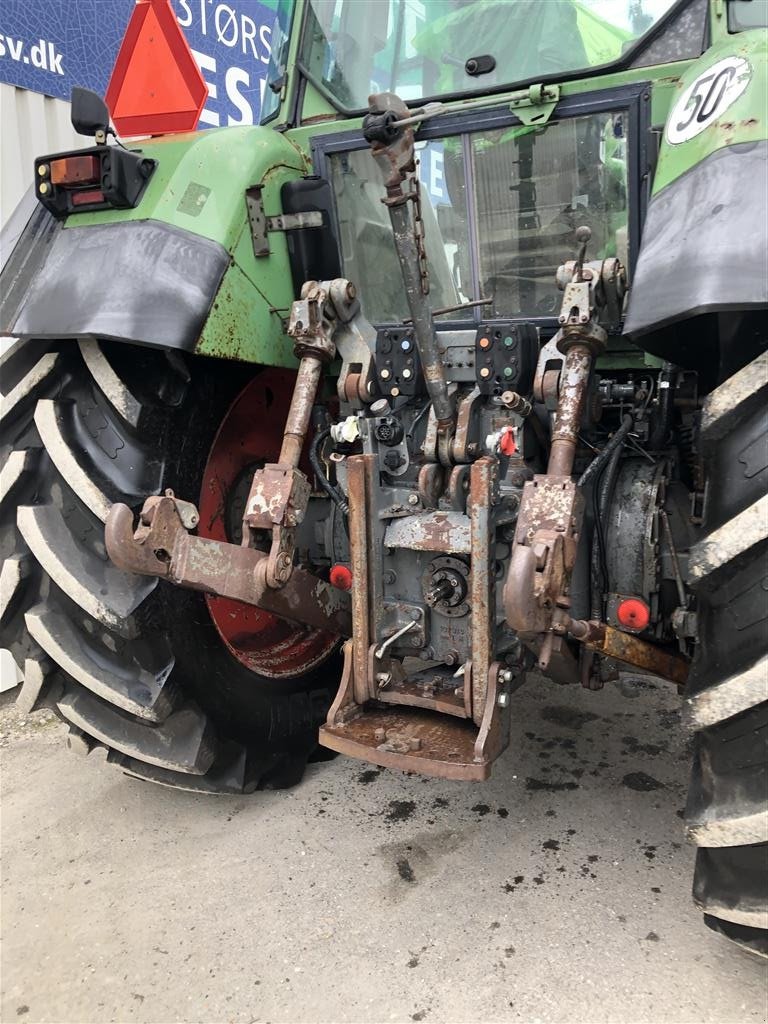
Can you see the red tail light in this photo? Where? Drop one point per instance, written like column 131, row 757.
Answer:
column 103, row 177
column 86, row 197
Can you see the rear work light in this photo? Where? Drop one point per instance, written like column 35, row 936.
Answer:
column 102, row 178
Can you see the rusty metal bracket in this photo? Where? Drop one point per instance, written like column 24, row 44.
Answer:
column 326, row 316
column 261, row 225
column 161, row 546
column 355, row 341
column 544, row 552
column 546, row 380
column 464, row 443
column 383, row 712
column 280, row 492
column 295, row 221
column 482, row 585
column 628, row 648
column 551, row 510
column 277, row 502
column 417, row 739
column 359, row 469
column 281, row 498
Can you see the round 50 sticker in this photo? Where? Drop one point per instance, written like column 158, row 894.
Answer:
column 709, row 97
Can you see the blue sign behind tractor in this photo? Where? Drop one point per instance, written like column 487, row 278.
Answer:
column 52, row 45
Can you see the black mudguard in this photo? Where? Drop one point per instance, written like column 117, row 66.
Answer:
column 704, row 249
column 143, row 282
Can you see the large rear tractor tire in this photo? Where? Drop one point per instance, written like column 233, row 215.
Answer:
column 726, row 704
column 177, row 689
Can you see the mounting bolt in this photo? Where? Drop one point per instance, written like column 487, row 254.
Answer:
column 383, row 679
column 413, row 499
column 506, row 675
column 380, row 735
column 502, row 700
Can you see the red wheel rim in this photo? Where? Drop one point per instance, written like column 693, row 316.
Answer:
column 249, row 436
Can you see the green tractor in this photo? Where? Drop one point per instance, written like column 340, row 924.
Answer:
column 330, row 431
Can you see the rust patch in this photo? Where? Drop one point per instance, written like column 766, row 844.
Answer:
column 358, row 467
column 439, row 745
column 162, row 547
column 435, row 531
column 482, row 586
column 630, row 649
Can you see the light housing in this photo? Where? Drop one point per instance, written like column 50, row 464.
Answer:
column 100, row 178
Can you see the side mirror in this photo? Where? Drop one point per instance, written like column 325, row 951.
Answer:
column 89, row 112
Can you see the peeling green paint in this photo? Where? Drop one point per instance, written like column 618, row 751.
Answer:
column 744, row 120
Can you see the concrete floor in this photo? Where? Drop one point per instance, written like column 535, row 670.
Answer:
column 557, row 891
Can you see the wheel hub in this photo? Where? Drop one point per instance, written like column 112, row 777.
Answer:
column 249, row 436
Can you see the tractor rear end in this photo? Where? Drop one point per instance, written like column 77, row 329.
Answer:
column 438, row 447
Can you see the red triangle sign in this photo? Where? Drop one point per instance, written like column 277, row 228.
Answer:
column 156, row 86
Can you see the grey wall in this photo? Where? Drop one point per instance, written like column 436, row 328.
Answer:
column 30, row 125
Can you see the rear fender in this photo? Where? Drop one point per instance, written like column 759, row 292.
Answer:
column 704, row 247
column 178, row 271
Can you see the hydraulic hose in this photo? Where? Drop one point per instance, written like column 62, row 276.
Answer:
column 663, row 424
column 319, row 470
column 602, row 491
column 602, row 495
column 600, row 460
